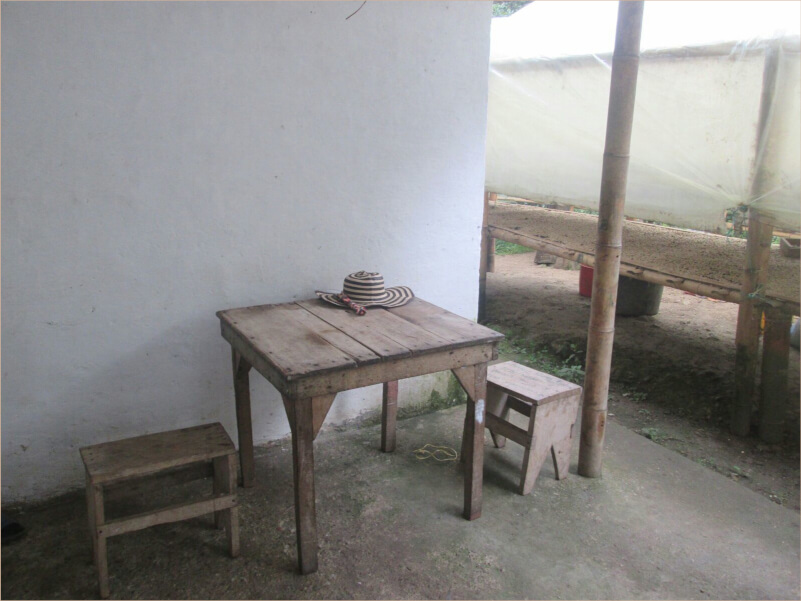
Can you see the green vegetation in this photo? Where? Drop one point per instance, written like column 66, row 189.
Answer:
column 563, row 360
column 435, row 402
column 654, row 434
column 730, row 218
column 502, row 247
column 504, row 9
column 637, row 396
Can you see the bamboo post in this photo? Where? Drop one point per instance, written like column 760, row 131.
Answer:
column 775, row 356
column 483, row 262
column 757, row 255
column 620, row 116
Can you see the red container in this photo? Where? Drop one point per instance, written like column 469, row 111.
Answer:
column 585, row 281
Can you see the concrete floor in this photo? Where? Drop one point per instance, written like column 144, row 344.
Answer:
column 655, row 526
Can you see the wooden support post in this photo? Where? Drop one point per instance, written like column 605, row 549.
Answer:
column 749, row 317
column 243, row 418
column 389, row 413
column 775, row 356
column 768, row 145
column 483, row 262
column 625, row 65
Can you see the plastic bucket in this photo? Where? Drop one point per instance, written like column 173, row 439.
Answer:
column 585, row 281
column 634, row 297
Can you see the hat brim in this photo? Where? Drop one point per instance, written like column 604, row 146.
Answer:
column 392, row 297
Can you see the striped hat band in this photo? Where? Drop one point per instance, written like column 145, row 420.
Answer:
column 367, row 289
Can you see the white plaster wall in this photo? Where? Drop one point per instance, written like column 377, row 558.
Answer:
column 162, row 161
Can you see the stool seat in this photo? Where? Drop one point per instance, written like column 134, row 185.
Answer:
column 111, row 462
column 551, row 405
column 529, row 385
column 143, row 455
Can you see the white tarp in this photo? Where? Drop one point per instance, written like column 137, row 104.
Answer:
column 696, row 116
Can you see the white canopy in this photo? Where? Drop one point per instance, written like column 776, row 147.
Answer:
column 697, row 116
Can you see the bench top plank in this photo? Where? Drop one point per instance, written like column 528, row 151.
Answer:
column 151, row 453
column 528, row 384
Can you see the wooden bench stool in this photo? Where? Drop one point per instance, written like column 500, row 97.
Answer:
column 551, row 404
column 113, row 462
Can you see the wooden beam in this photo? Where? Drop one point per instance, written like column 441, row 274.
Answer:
column 625, row 65
column 503, row 428
column 773, row 392
column 174, row 513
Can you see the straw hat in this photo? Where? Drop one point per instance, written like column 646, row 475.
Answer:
column 367, row 289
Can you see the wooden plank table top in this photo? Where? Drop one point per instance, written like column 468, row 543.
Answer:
column 310, row 350
column 298, row 345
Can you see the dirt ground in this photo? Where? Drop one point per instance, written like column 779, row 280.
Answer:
column 672, row 376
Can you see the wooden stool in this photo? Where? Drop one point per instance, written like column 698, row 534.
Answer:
column 550, row 404
column 112, row 462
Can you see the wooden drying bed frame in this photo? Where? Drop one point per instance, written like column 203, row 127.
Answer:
column 759, row 279
column 572, row 236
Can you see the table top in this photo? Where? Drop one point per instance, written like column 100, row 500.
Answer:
column 311, row 337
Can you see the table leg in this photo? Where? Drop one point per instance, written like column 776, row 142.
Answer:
column 473, row 379
column 303, row 467
column 389, row 413
column 243, row 418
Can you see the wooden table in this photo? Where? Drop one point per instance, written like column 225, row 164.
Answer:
column 311, row 350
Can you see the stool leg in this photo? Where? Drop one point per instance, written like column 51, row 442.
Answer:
column 533, row 459
column 496, row 404
column 560, row 452
column 225, row 482
column 220, row 484
column 94, row 501
column 563, row 416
